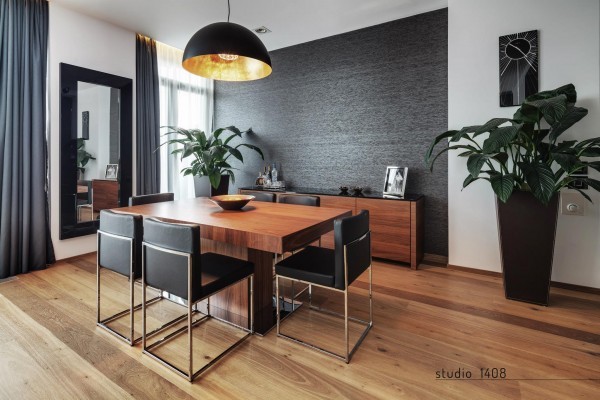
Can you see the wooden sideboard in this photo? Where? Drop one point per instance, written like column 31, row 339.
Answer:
column 105, row 194
column 396, row 225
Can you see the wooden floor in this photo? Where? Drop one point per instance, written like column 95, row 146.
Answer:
column 427, row 322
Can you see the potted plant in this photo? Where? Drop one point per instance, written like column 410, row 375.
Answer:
column 210, row 154
column 527, row 167
column 83, row 157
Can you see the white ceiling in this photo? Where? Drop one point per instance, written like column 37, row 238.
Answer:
column 291, row 21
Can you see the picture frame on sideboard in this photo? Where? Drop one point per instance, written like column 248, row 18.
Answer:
column 395, row 181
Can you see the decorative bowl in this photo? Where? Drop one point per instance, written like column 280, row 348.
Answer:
column 343, row 189
column 357, row 190
column 232, row 201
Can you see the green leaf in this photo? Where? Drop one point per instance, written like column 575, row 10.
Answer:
column 502, row 158
column 235, row 130
column 540, row 178
column 594, row 183
column 552, row 109
column 593, row 164
column 588, row 142
column 565, row 145
column 584, row 194
column 250, row 146
column 475, row 163
column 188, row 151
column 527, row 114
column 491, row 124
column 217, row 133
column 464, row 133
column 200, row 138
column 437, row 140
column 500, row 138
column 570, row 118
column 503, row 186
column 468, row 180
column 568, row 162
column 568, row 90
column 236, row 153
column 215, row 179
column 592, row 151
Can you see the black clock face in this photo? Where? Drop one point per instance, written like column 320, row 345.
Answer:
column 518, row 67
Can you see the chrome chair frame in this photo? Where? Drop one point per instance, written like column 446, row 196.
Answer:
column 368, row 324
column 131, row 340
column 191, row 310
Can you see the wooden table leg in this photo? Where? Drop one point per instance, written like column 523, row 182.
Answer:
column 263, row 290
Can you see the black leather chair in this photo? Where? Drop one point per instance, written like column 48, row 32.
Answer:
column 300, row 199
column 150, row 198
column 266, row 197
column 172, row 261
column 334, row 270
column 119, row 243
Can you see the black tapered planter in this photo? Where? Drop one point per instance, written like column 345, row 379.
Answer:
column 223, row 187
column 527, row 230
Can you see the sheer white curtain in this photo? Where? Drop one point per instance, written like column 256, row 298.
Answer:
column 186, row 101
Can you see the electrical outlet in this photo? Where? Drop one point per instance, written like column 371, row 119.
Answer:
column 572, row 203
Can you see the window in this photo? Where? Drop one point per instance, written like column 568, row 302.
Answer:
column 186, row 101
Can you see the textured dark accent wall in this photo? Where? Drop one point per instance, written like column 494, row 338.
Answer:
column 339, row 110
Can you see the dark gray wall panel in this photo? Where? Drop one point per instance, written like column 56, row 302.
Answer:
column 339, row 110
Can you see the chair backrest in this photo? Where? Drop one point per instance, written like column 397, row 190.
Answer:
column 150, row 198
column 168, row 249
column 352, row 239
column 120, row 242
column 302, row 200
column 262, row 196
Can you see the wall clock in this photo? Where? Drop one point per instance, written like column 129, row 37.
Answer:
column 518, row 67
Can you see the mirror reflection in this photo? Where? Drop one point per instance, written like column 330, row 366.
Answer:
column 96, row 110
column 98, row 153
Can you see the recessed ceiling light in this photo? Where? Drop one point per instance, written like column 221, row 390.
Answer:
column 262, row 30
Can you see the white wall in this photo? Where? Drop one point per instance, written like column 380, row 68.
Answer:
column 569, row 53
column 85, row 42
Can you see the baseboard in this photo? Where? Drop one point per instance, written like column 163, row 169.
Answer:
column 435, row 258
column 578, row 288
column 475, row 271
column 569, row 286
column 76, row 257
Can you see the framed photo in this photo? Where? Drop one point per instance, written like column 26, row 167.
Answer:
column 112, row 171
column 395, row 181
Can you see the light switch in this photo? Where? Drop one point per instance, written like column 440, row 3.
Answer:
column 572, row 203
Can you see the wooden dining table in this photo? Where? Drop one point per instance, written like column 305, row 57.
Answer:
column 255, row 233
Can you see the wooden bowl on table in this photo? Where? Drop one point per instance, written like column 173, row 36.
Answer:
column 232, row 201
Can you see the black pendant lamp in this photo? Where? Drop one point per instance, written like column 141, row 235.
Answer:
column 227, row 52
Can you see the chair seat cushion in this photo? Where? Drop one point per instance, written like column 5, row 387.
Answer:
column 313, row 264
column 220, row 271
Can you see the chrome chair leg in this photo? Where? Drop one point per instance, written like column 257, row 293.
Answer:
column 278, row 311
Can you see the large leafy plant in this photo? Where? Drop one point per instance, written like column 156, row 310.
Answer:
column 210, row 153
column 83, row 157
column 523, row 153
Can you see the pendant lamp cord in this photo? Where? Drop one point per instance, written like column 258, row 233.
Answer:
column 228, row 10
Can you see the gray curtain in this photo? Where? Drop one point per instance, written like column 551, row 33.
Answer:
column 147, row 117
column 25, row 242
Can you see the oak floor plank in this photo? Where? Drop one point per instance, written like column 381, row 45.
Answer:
column 425, row 320
column 37, row 360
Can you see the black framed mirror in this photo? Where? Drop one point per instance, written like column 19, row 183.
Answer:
column 95, row 147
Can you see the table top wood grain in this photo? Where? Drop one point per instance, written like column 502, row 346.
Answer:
column 271, row 227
